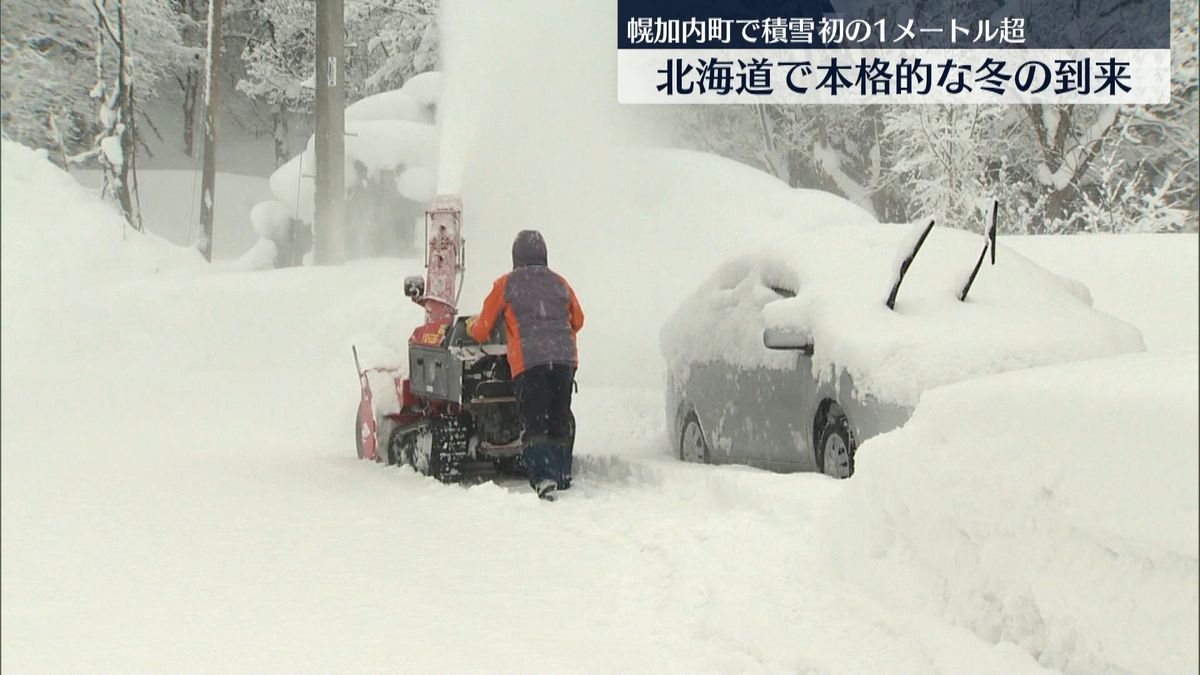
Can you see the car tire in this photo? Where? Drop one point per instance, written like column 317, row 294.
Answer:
column 692, row 445
column 835, row 445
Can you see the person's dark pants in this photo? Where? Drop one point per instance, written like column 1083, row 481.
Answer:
column 544, row 404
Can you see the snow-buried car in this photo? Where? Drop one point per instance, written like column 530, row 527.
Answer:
column 789, row 358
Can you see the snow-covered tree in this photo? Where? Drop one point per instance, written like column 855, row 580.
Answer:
column 947, row 160
column 1052, row 166
column 279, row 60
column 388, row 41
column 834, row 148
column 48, row 51
column 1161, row 141
column 394, row 40
column 192, row 15
column 116, row 109
column 1127, row 197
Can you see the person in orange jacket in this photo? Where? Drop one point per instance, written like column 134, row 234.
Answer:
column 541, row 319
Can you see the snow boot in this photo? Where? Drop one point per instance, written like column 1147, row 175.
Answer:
column 547, row 489
column 565, row 460
column 540, row 457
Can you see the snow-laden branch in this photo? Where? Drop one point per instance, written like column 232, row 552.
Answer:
column 101, row 7
column 1075, row 159
column 831, row 162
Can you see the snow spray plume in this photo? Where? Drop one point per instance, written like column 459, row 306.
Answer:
column 531, row 131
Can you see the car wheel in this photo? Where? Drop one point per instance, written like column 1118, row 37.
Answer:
column 835, row 446
column 692, row 446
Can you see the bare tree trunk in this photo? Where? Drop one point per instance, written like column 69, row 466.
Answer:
column 61, row 158
column 190, row 83
column 131, row 138
column 115, row 144
column 125, row 110
column 280, row 134
column 771, row 155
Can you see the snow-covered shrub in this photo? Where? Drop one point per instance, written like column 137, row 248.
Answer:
column 391, row 150
column 1122, row 200
column 947, row 159
column 270, row 219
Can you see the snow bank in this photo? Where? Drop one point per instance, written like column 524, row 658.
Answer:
column 1150, row 280
column 66, row 253
column 170, row 201
column 57, row 231
column 260, row 257
column 1054, row 508
column 1017, row 314
column 372, row 146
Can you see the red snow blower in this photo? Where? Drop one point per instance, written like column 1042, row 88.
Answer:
column 455, row 415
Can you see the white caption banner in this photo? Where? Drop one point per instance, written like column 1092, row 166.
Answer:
column 640, row 78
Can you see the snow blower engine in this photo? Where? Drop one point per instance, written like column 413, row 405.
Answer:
column 454, row 416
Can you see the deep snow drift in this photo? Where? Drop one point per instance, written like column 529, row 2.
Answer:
column 170, row 205
column 58, row 233
column 1054, row 508
column 1142, row 278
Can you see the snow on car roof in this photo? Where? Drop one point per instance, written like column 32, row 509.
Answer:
column 1017, row 314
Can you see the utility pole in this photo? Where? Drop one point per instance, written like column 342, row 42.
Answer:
column 331, row 125
column 211, row 81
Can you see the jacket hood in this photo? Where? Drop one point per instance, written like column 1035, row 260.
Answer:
column 529, row 248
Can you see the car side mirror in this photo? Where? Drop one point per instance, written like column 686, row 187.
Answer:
column 788, row 340
column 414, row 287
